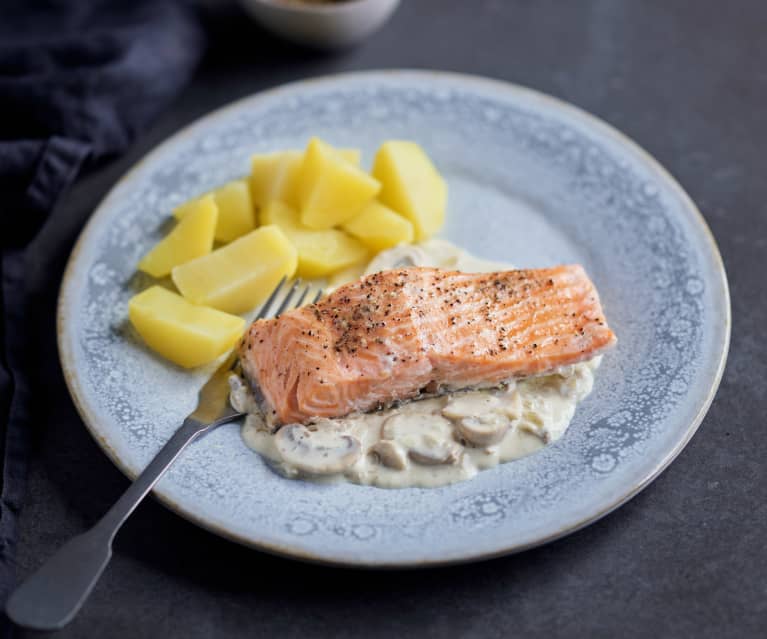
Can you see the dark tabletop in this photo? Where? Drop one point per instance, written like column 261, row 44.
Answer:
column 686, row 557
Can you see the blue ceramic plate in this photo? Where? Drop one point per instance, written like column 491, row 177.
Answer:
column 534, row 182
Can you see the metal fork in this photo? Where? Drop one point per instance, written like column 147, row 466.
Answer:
column 52, row 596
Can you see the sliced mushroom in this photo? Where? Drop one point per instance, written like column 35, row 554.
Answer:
column 484, row 430
column 511, row 404
column 431, row 451
column 471, row 404
column 428, row 439
column 323, row 451
column 483, row 419
column 390, row 453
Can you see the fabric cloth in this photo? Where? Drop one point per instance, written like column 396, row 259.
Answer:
column 78, row 81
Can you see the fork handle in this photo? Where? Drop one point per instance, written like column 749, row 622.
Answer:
column 49, row 598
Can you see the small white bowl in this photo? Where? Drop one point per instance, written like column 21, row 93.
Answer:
column 322, row 25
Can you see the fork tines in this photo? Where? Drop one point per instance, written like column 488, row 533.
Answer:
column 289, row 300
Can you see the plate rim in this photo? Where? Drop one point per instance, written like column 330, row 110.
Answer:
column 66, row 355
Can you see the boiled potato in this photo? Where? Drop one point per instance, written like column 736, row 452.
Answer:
column 275, row 176
column 282, row 215
column 236, row 215
column 191, row 238
column 319, row 252
column 331, row 190
column 187, row 207
column 379, row 228
column 321, row 255
column 240, row 275
column 411, row 185
column 182, row 332
column 350, row 155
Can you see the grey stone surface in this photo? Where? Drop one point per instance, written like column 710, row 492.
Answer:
column 688, row 81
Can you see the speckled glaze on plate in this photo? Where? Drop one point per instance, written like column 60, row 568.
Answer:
column 532, row 181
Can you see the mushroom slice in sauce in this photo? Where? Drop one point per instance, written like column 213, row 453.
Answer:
column 431, row 451
column 427, row 440
column 322, row 451
column 390, row 453
column 469, row 404
column 485, row 430
column 480, row 418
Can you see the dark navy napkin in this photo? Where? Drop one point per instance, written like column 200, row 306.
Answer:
column 79, row 80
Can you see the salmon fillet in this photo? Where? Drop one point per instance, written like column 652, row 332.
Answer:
column 389, row 336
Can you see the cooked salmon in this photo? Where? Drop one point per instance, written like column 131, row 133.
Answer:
column 398, row 334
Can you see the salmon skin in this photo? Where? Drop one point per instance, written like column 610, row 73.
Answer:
column 397, row 334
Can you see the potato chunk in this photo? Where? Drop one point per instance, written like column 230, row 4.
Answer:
column 327, row 253
column 352, row 156
column 331, row 190
column 182, row 332
column 240, row 275
column 236, row 215
column 319, row 252
column 274, row 176
column 191, row 238
column 379, row 228
column 411, row 185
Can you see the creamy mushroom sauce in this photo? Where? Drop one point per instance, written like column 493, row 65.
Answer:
column 427, row 442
